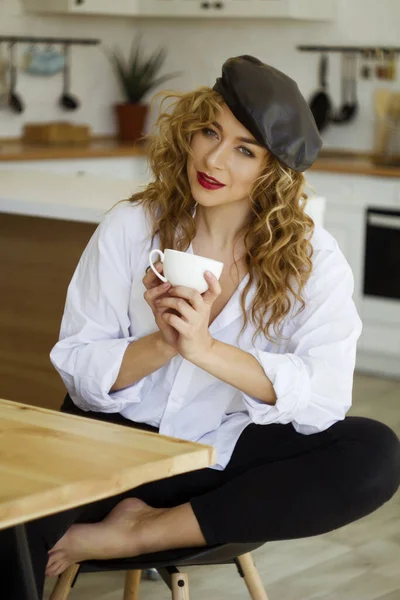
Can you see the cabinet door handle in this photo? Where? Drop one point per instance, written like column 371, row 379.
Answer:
column 79, row 1
column 218, row 5
column 205, row 5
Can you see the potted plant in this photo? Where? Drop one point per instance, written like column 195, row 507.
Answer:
column 137, row 76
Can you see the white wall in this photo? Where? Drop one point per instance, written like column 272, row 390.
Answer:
column 198, row 48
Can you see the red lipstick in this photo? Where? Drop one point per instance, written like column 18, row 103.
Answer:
column 210, row 183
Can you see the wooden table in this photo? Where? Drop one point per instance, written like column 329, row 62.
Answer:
column 51, row 461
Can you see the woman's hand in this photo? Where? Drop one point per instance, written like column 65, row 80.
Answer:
column 156, row 291
column 193, row 318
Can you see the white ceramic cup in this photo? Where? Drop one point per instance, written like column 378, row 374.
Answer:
column 185, row 269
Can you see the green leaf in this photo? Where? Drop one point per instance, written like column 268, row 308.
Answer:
column 138, row 75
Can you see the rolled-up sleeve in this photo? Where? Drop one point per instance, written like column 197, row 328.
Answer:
column 95, row 328
column 313, row 378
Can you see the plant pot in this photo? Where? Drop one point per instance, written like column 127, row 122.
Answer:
column 131, row 120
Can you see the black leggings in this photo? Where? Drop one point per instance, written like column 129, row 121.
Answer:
column 278, row 485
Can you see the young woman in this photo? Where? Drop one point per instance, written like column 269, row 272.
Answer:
column 260, row 366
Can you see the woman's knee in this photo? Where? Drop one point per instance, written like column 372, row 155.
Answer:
column 377, row 435
column 374, row 452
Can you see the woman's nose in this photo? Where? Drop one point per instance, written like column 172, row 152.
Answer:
column 216, row 158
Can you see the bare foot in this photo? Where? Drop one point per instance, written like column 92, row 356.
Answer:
column 117, row 536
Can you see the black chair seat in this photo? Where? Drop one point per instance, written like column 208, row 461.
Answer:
column 210, row 555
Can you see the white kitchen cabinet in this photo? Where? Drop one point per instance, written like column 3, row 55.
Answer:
column 348, row 198
column 347, row 228
column 344, row 219
column 133, row 168
column 312, row 10
column 94, row 7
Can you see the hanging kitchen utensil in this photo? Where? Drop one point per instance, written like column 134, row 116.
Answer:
column 3, row 79
column 46, row 62
column 320, row 103
column 392, row 67
column 385, row 65
column 380, row 68
column 353, row 109
column 365, row 71
column 67, row 100
column 14, row 100
column 349, row 107
column 341, row 115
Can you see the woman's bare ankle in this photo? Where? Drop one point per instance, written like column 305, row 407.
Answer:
column 148, row 530
column 168, row 528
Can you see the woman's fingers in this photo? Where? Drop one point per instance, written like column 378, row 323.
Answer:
column 214, row 288
column 153, row 293
column 179, row 304
column 150, row 280
column 192, row 296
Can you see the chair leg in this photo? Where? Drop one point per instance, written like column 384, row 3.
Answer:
column 251, row 577
column 132, row 582
column 63, row 586
column 180, row 586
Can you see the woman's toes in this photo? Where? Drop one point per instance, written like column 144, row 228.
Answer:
column 51, row 571
column 56, row 560
column 60, row 567
column 53, row 558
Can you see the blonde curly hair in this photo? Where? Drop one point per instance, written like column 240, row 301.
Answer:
column 277, row 236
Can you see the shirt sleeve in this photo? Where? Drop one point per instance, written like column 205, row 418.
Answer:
column 313, row 380
column 95, row 326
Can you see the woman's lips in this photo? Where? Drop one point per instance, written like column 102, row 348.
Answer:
column 206, row 183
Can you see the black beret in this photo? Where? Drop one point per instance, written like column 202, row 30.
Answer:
column 270, row 105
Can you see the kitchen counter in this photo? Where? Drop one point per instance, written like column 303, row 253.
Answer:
column 16, row 150
column 332, row 161
column 353, row 164
column 64, row 196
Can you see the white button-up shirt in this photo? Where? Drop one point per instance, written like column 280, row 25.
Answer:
column 311, row 368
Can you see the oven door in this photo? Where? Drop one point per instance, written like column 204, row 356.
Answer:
column 381, row 286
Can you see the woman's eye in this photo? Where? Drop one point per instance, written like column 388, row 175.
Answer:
column 207, row 131
column 246, row 152
column 211, row 133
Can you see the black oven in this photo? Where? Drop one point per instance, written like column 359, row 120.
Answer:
column 382, row 253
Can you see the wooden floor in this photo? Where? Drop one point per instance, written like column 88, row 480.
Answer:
column 358, row 562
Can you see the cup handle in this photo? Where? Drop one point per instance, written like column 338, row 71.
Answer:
column 161, row 255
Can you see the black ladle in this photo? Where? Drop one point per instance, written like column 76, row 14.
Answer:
column 67, row 100
column 14, row 100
